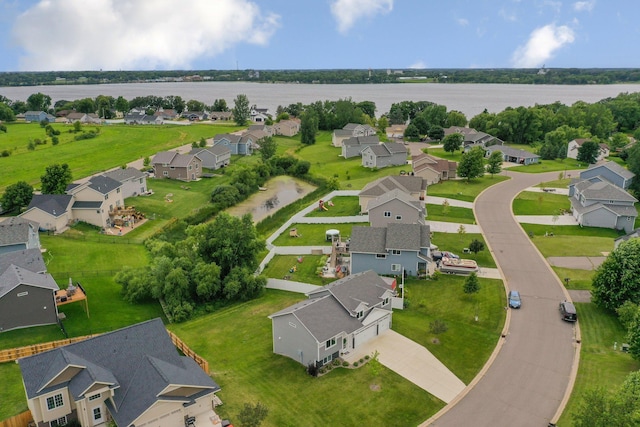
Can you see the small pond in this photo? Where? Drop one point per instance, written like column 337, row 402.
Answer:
column 280, row 192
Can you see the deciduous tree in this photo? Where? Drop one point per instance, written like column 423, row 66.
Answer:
column 241, row 110
column 55, row 179
column 588, row 152
column 16, row 196
column 268, row 147
column 476, row 246
column 308, row 127
column 494, row 163
column 38, row 102
column 452, row 142
column 618, row 278
column 472, row 164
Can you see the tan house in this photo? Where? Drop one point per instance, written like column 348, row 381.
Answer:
column 129, row 377
column 433, row 169
column 415, row 186
column 170, row 164
column 396, row 206
column 351, row 130
column 395, row 131
column 95, row 199
column 575, row 144
column 133, row 181
column 51, row 211
column 287, row 127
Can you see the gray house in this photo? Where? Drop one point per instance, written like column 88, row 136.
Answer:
column 396, row 206
column 612, row 172
column 132, row 376
column 392, row 249
column 170, row 164
column 17, row 234
column 336, row 319
column 415, row 186
column 38, row 116
column 513, row 155
column 215, row 157
column 596, row 202
column 26, row 298
column 383, row 155
column 352, row 147
column 132, row 180
column 351, row 130
column 237, row 144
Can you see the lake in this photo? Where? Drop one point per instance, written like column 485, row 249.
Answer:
column 280, row 192
column 470, row 99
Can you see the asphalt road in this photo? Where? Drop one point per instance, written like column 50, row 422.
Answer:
column 527, row 381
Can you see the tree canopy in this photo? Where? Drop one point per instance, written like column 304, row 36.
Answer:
column 241, row 111
column 16, row 196
column 55, row 179
column 472, row 164
column 588, row 152
column 452, row 142
column 618, row 278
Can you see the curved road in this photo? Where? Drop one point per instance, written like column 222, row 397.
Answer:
column 527, row 381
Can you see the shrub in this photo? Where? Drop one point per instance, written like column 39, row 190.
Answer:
column 5, row 153
column 345, row 364
column 355, row 364
column 312, row 369
column 366, row 357
column 361, row 360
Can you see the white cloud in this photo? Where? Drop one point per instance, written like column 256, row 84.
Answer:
column 542, row 45
column 581, row 6
column 463, row 22
column 347, row 12
column 135, row 34
column 418, row 65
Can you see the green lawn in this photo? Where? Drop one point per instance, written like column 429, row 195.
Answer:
column 550, row 166
column 462, row 189
column 579, row 279
column 314, row 234
column 115, row 145
column 534, row 203
column 444, row 300
column 600, row 364
column 306, row 271
column 342, row 206
column 241, row 360
column 456, row 242
column 450, row 214
column 12, row 394
column 556, row 183
column 569, row 240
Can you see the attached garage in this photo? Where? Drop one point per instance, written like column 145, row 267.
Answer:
column 376, row 323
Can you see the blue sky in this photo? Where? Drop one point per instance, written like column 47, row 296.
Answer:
column 48, row 35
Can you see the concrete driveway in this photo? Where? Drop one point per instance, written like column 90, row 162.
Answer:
column 413, row 362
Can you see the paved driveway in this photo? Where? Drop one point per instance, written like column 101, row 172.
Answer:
column 413, row 362
column 526, row 383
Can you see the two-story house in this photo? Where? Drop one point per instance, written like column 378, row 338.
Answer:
column 238, row 144
column 52, row 212
column 95, row 199
column 353, row 147
column 351, row 130
column 396, row 206
column 17, row 234
column 215, row 157
column 133, row 376
column 415, row 186
column 170, row 164
column 575, row 144
column 336, row 319
column 612, row 172
column 383, row 155
column 287, row 127
column 133, row 182
column 433, row 169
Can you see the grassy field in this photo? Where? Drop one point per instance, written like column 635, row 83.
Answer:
column 450, row 214
column 306, row 271
column 569, row 240
column 342, row 206
column 534, row 203
column 241, row 360
column 550, row 166
column 456, row 242
column 600, row 364
column 314, row 234
column 463, row 189
column 115, row 145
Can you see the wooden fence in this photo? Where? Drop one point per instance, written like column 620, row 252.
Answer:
column 20, row 420
column 188, row 352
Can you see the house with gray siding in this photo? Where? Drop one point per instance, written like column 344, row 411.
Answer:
column 392, row 249
column 415, row 186
column 612, row 172
column 170, row 164
column 383, row 155
column 27, row 298
column 215, row 157
column 351, row 130
column 513, row 155
column 133, row 376
column 133, row 182
column 238, row 144
column 396, row 206
column 352, row 147
column 38, row 116
column 335, row 320
column 17, row 234
column 596, row 202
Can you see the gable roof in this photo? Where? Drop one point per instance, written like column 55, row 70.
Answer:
column 615, row 168
column 513, row 152
column 361, row 140
column 387, row 149
column 29, row 259
column 103, row 184
column 379, row 240
column 53, row 204
column 164, row 157
column 406, row 183
column 232, row 138
column 395, row 194
column 15, row 230
column 138, row 361
column 603, row 191
column 425, row 161
column 122, row 175
column 15, row 276
column 216, row 150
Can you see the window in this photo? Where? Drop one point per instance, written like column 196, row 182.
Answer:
column 22, row 294
column 395, row 252
column 59, row 422
column 381, row 256
column 165, row 173
column 395, row 267
column 385, row 301
column 330, row 343
column 94, row 397
column 140, row 180
column 387, row 214
column 172, row 168
column 97, row 414
column 117, row 190
column 106, row 196
column 55, row 402
column 190, row 167
column 359, row 314
column 399, row 217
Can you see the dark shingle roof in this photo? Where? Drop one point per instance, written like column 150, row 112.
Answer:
column 86, row 205
column 615, row 168
column 406, row 183
column 15, row 230
column 53, row 204
column 15, row 276
column 140, row 359
column 103, row 184
column 29, row 259
column 396, row 194
column 122, row 175
column 378, row 240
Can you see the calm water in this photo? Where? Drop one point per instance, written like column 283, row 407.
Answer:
column 470, row 99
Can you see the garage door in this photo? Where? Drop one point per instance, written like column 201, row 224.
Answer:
column 365, row 335
column 383, row 325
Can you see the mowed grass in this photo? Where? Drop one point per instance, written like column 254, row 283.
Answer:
column 534, row 203
column 237, row 342
column 12, row 393
column 114, row 146
column 342, row 206
column 550, row 166
column 578, row 279
column 306, row 271
column 600, row 364
column 314, row 234
column 456, row 242
column 568, row 240
column 466, row 345
column 450, row 214
column 460, row 189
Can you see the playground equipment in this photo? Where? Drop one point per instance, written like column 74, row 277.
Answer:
column 294, row 233
column 332, row 235
column 321, row 206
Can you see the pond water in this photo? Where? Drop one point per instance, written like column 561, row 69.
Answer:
column 280, row 192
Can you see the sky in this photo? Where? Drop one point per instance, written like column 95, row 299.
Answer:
column 79, row 35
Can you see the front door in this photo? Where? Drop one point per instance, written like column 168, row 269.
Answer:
column 97, row 415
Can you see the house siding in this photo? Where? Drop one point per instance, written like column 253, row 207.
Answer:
column 292, row 339
column 606, row 173
column 49, row 222
column 409, row 214
column 92, row 216
column 362, row 262
column 599, row 218
column 38, row 307
column 396, row 159
column 133, row 187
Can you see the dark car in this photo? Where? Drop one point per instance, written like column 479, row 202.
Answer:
column 514, row 299
column 568, row 311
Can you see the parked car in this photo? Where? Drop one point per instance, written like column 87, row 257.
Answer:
column 568, row 311
column 514, row 299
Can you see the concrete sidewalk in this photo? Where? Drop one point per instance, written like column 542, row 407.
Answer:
column 413, row 362
column 291, row 286
column 452, row 202
column 547, row 219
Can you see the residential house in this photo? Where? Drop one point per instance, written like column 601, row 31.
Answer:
column 287, row 127
column 395, row 131
column 220, row 115
column 238, row 144
column 336, row 319
column 170, row 164
column 17, row 234
column 215, row 157
column 433, row 169
column 351, row 130
column 51, row 211
column 415, row 186
column 95, row 199
column 133, row 182
column 596, row 202
column 513, row 155
column 168, row 114
column 195, row 116
column 27, row 298
column 260, row 130
column 612, row 172
column 398, row 207
column 472, row 137
column 143, row 119
column 259, row 115
column 383, row 155
column 352, row 147
column 575, row 144
column 83, row 118
column 633, row 235
column 38, row 116
column 392, row 249
column 133, row 376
